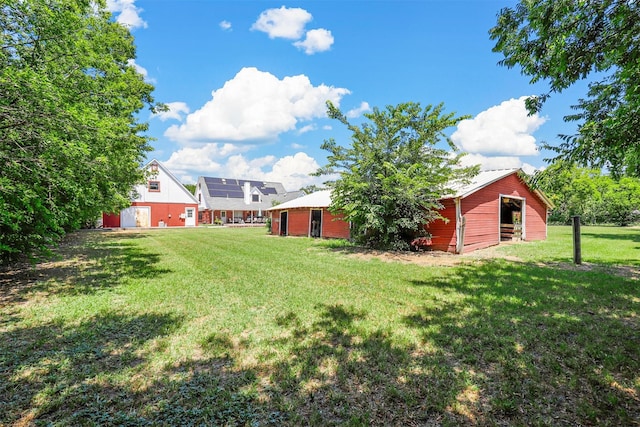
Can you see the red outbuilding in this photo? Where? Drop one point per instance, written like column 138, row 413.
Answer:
column 496, row 206
column 162, row 202
column 308, row 216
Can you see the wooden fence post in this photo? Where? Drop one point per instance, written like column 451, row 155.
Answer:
column 577, row 250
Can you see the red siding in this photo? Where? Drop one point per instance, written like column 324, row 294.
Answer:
column 536, row 218
column 111, row 220
column 334, row 226
column 161, row 212
column 299, row 223
column 482, row 214
column 444, row 233
column 481, row 211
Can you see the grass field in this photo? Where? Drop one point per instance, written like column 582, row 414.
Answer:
column 216, row 326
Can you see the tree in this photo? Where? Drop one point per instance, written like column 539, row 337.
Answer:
column 595, row 197
column 564, row 41
column 573, row 191
column 622, row 201
column 393, row 174
column 190, row 187
column 70, row 143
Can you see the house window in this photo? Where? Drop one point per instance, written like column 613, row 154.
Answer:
column 154, row 186
column 199, row 198
column 255, row 198
column 154, row 167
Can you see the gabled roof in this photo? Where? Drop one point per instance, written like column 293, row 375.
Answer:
column 187, row 194
column 319, row 199
column 488, row 177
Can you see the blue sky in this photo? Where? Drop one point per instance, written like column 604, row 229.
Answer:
column 247, row 81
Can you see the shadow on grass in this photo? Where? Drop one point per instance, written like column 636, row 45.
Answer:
column 86, row 262
column 630, row 234
column 56, row 373
column 498, row 344
column 341, row 374
column 544, row 346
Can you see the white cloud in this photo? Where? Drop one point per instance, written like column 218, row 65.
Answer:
column 497, row 162
column 204, row 160
column 294, row 171
column 297, row 146
column 176, row 110
column 129, row 14
column 318, row 40
column 285, row 22
column 504, row 129
column 225, row 25
column 307, row 128
column 256, row 105
column 228, row 161
column 490, row 163
column 357, row 112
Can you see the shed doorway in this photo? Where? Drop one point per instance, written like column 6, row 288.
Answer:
column 511, row 226
column 316, row 222
column 283, row 223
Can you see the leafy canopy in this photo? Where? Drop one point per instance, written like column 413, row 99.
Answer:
column 391, row 177
column 70, row 141
column 564, row 41
column 595, row 197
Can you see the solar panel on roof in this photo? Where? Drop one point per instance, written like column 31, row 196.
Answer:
column 209, row 180
column 223, row 187
column 226, row 194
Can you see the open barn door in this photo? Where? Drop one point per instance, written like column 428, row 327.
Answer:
column 511, row 218
column 316, row 222
column 283, row 223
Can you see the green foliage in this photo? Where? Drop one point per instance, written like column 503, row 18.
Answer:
column 596, row 198
column 564, row 41
column 392, row 176
column 190, row 187
column 70, row 143
column 311, row 189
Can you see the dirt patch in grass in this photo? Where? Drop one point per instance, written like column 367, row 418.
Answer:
column 433, row 258
column 447, row 259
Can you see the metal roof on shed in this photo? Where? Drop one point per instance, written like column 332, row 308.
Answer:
column 319, row 199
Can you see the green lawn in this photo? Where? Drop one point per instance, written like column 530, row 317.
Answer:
column 216, row 326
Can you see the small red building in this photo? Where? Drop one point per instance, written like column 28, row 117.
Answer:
column 496, row 206
column 308, row 216
column 162, row 202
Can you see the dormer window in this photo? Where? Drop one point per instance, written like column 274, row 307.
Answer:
column 255, row 198
column 154, row 186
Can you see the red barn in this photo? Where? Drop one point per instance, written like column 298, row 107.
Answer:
column 496, row 206
column 162, row 202
column 308, row 216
